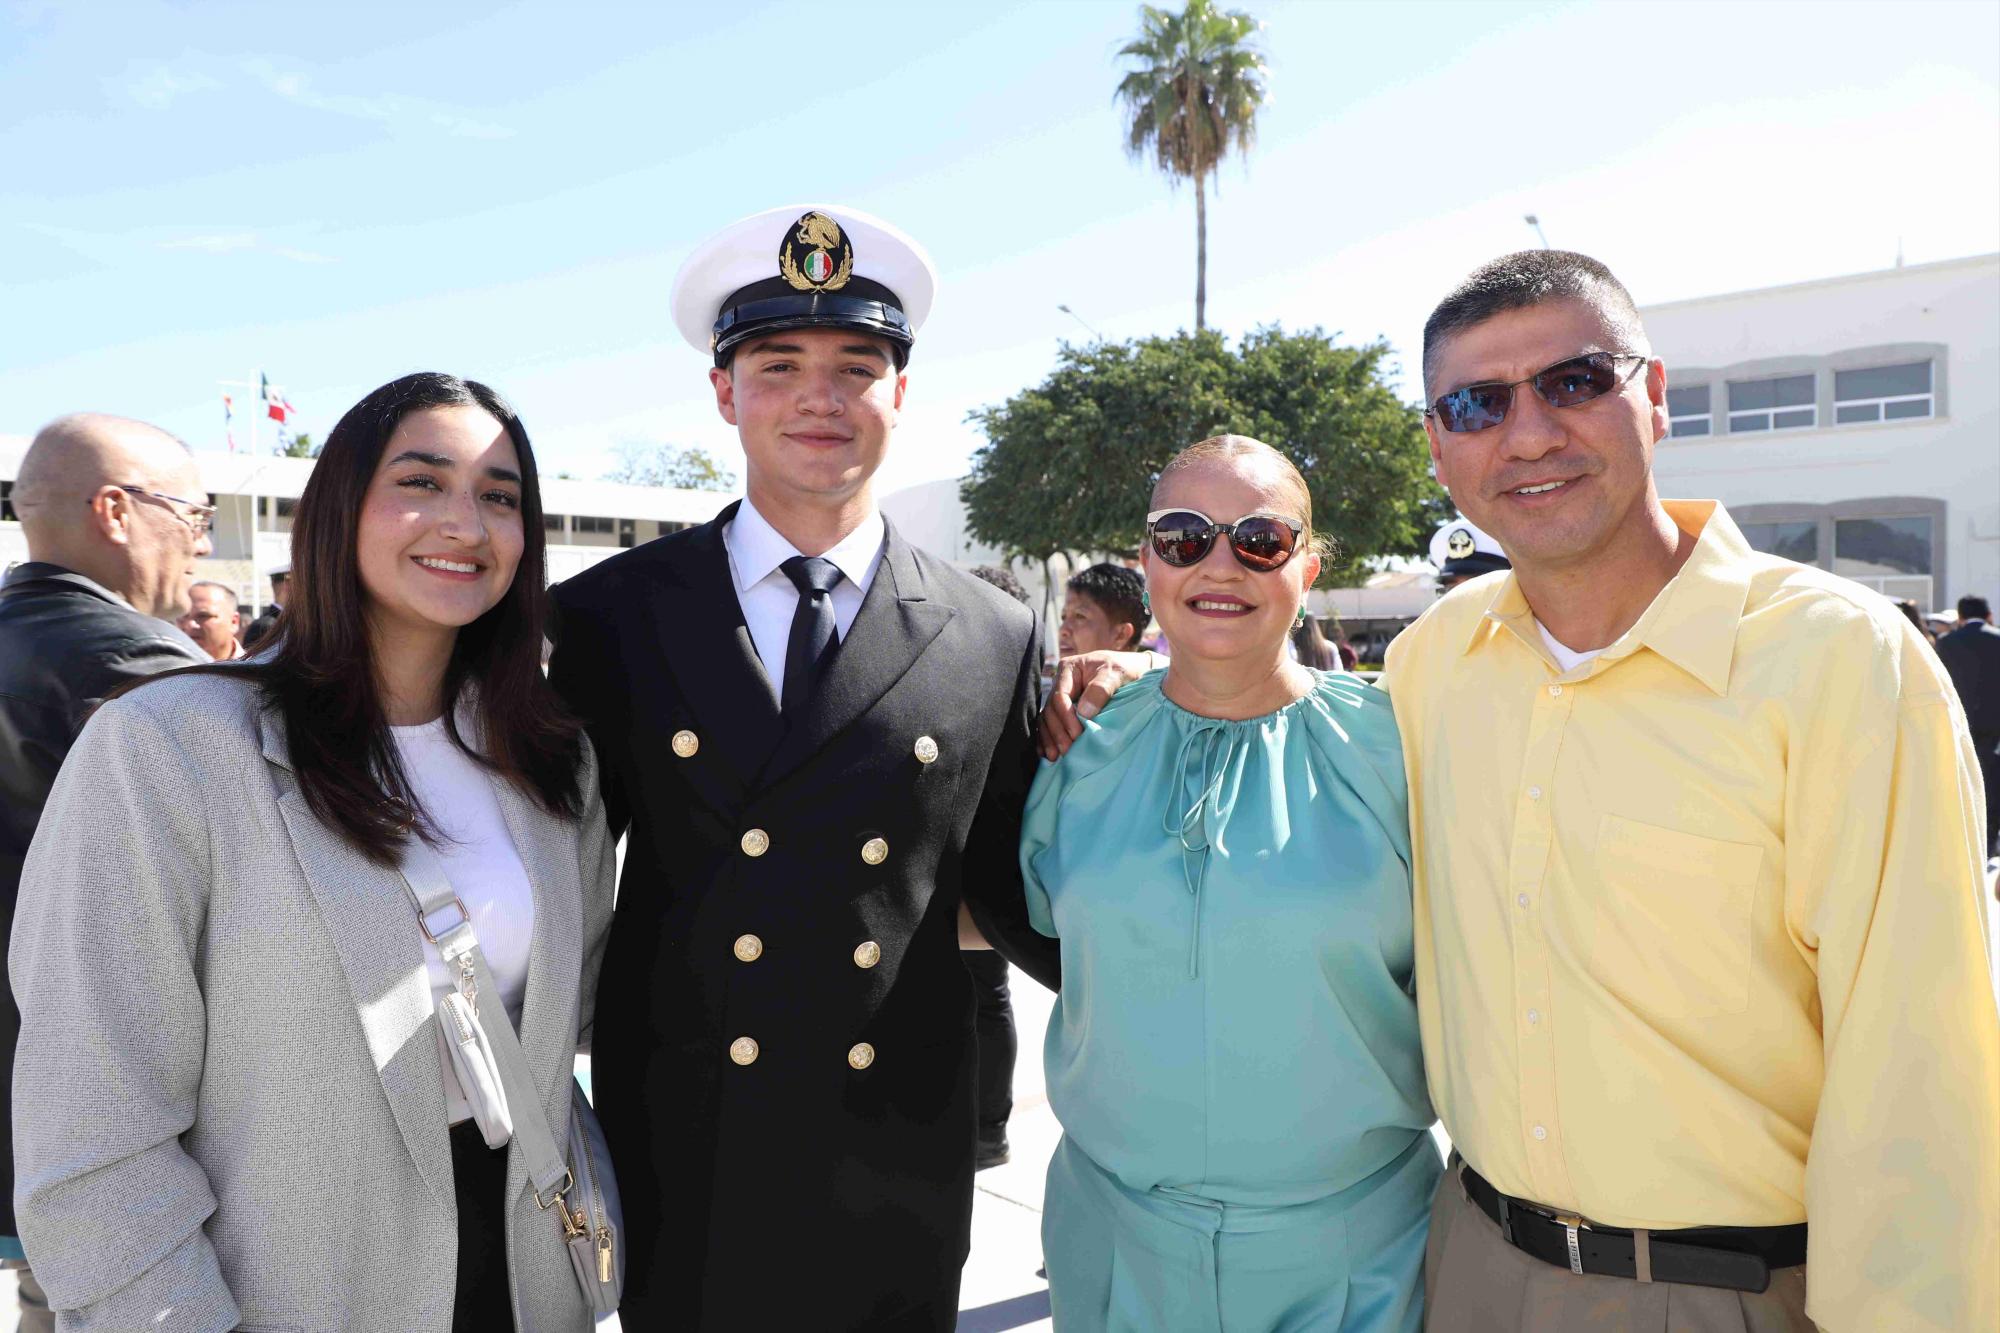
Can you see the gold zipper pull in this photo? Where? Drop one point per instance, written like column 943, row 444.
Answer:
column 604, row 1254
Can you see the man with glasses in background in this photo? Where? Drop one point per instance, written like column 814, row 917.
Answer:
column 112, row 541
column 1700, row 931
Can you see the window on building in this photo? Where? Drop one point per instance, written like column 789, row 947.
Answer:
column 1776, row 404
column 627, row 533
column 1689, row 409
column 7, row 514
column 1864, row 547
column 589, row 523
column 552, row 523
column 1883, row 393
column 1793, row 541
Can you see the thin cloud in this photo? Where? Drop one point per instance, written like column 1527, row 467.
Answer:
column 387, row 109
column 156, row 86
column 238, row 242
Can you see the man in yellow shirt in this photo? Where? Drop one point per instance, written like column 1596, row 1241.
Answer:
column 1700, row 922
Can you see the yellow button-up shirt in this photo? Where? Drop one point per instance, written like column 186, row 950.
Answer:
column 1701, row 929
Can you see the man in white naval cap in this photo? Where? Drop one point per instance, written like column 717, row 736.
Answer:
column 817, row 741
column 1461, row 551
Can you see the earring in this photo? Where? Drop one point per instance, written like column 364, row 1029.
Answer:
column 1146, row 604
column 1300, row 619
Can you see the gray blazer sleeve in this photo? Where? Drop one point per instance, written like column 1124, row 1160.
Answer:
column 105, row 966
column 597, row 861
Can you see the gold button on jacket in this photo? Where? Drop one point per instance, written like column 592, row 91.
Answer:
column 749, row 948
column 867, row 954
column 756, row 842
column 875, row 851
column 927, row 750
column 743, row 1050
column 861, row 1055
column 686, row 743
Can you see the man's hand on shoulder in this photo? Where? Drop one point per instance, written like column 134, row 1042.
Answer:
column 1083, row 685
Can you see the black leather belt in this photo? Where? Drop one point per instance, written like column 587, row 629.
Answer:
column 1738, row 1258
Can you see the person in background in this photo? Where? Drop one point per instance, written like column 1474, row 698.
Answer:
column 999, row 1044
column 213, row 621
column 1234, row 1054
column 1104, row 607
column 237, row 1108
column 111, row 551
column 1971, row 655
column 258, row 635
column 1460, row 551
column 1330, row 624
column 1311, row 647
column 1701, row 931
column 1913, row 613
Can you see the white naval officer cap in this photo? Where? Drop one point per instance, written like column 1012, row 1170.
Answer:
column 1461, row 551
column 803, row 267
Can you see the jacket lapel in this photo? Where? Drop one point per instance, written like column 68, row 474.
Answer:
column 368, row 912
column 896, row 623
column 706, row 645
column 547, row 848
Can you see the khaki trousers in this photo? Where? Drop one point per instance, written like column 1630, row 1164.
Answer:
column 1475, row 1282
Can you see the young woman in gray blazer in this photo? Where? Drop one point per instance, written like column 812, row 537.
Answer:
column 233, row 1108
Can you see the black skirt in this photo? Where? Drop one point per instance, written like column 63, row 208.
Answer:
column 481, row 1302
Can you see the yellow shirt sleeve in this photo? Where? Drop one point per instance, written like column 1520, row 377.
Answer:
column 1903, row 1175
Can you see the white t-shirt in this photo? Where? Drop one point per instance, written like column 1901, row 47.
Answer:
column 769, row 599
column 1569, row 659
column 483, row 866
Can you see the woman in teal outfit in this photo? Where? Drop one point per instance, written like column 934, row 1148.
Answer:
column 1225, row 857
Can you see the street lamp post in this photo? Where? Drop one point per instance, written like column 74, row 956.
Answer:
column 1536, row 223
column 1081, row 320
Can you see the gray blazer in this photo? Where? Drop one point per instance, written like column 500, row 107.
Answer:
column 229, row 1110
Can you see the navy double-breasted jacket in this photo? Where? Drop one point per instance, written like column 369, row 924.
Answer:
column 783, row 1057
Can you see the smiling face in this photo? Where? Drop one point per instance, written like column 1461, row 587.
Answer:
column 814, row 409
column 1556, row 486
column 440, row 534
column 1219, row 610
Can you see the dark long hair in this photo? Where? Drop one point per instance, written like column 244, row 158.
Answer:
column 320, row 677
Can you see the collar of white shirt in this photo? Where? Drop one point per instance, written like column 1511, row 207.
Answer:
column 756, row 549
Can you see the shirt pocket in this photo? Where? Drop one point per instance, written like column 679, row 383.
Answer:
column 1671, row 920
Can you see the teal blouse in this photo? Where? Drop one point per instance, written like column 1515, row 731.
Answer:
column 1237, row 1018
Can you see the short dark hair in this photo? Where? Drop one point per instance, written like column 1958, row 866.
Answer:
column 1974, row 608
column 1531, row 278
column 1120, row 592
column 1001, row 579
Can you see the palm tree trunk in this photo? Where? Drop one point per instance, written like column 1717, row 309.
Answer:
column 1200, row 256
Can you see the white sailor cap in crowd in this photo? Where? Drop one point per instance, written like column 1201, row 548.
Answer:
column 1461, row 551
column 803, row 267
column 281, row 570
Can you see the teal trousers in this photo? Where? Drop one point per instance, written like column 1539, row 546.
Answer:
column 1127, row 1261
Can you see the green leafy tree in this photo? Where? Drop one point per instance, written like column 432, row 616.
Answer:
column 301, row 446
column 1190, row 99
column 687, row 469
column 1069, row 464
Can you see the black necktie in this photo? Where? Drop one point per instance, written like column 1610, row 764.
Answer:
column 811, row 645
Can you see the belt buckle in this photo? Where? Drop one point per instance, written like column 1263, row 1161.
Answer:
column 1570, row 1224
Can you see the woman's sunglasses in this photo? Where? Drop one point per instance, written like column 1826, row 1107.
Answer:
column 1260, row 542
column 1570, row 383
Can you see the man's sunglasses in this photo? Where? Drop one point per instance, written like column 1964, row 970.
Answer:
column 1184, row 537
column 1570, row 383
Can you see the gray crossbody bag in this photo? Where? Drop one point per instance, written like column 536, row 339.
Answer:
column 493, row 1073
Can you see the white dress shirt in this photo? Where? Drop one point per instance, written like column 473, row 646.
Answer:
column 756, row 552
column 484, row 869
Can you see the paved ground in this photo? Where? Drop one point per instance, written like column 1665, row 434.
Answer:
column 1002, row 1291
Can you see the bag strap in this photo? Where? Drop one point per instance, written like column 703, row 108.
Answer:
column 436, row 901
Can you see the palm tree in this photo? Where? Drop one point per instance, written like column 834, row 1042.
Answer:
column 1193, row 97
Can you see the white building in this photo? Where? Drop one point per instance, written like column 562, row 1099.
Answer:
column 585, row 520
column 1851, row 423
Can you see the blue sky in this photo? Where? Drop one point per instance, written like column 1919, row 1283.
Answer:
column 339, row 194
